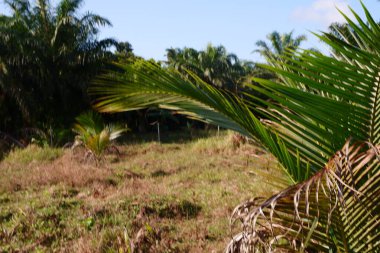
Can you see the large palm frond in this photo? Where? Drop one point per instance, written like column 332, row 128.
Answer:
column 321, row 101
column 21, row 7
column 68, row 7
column 324, row 100
column 336, row 210
column 133, row 88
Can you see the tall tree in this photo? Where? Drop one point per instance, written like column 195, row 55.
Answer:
column 48, row 54
column 278, row 45
column 124, row 49
column 214, row 65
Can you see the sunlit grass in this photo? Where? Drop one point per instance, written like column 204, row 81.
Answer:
column 163, row 197
column 32, row 153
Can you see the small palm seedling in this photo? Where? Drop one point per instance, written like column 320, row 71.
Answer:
column 95, row 135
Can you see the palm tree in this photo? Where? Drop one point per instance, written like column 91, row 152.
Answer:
column 279, row 45
column 320, row 102
column 214, row 62
column 183, row 60
column 124, row 49
column 49, row 54
column 95, row 135
column 214, row 65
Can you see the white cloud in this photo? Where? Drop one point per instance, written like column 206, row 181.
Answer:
column 322, row 11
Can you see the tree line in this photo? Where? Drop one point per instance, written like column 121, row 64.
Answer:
column 49, row 56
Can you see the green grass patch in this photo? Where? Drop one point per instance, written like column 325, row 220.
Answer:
column 32, row 153
column 169, row 197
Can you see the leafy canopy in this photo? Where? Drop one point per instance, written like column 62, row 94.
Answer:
column 213, row 65
column 48, row 54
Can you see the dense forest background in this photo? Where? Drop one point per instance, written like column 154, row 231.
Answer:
column 49, row 56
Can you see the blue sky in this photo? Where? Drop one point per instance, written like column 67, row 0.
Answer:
column 151, row 26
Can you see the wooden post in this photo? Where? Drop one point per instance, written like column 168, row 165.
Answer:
column 158, row 132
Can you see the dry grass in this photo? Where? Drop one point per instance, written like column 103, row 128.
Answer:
column 39, row 167
column 153, row 198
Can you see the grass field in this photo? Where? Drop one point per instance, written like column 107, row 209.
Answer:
column 170, row 197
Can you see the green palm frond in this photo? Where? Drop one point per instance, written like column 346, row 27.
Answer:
column 320, row 103
column 324, row 100
column 89, row 122
column 336, row 210
column 149, row 85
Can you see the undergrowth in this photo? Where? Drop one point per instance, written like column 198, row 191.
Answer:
column 170, row 197
column 32, row 153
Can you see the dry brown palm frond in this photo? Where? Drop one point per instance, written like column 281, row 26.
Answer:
column 336, row 209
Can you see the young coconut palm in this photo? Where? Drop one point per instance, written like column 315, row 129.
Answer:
column 94, row 134
column 320, row 103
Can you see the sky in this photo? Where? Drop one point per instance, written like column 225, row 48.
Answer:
column 152, row 26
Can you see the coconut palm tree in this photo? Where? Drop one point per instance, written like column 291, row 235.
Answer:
column 48, row 55
column 319, row 102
